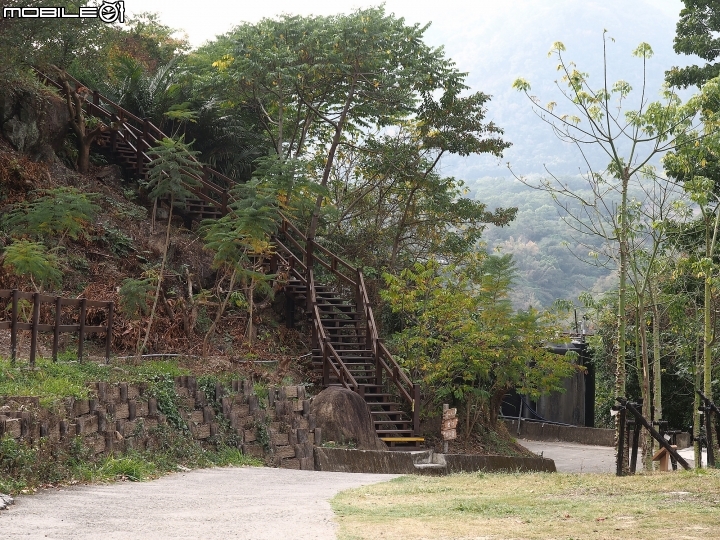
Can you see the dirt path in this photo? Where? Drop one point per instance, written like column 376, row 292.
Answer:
column 224, row 503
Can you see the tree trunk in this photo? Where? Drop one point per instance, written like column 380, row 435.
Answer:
column 160, row 277
column 220, row 312
column 645, row 386
column 495, row 402
column 329, row 161
column 83, row 162
column 697, row 454
column 620, row 374
column 657, row 368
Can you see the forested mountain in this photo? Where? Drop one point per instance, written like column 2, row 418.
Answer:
column 552, row 259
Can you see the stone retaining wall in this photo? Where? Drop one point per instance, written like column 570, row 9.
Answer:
column 120, row 417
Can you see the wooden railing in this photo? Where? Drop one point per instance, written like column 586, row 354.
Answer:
column 140, row 135
column 306, row 253
column 303, row 253
column 15, row 324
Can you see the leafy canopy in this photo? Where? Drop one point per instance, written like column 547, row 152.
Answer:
column 31, row 259
column 63, row 211
column 697, row 34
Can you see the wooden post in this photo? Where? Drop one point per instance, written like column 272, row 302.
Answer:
column 113, row 133
column 326, row 364
column 224, row 201
column 13, row 326
column 141, row 141
column 640, row 418
column 34, row 328
column 108, row 335
column 378, row 365
column 58, row 318
column 416, row 410
column 83, row 307
column 619, row 461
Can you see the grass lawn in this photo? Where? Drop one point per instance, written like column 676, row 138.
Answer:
column 679, row 505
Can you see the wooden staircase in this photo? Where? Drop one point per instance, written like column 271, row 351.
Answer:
column 346, row 349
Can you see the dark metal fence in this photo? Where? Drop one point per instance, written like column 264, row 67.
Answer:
column 44, row 313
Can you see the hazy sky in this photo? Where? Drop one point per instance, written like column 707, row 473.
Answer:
column 494, row 42
column 205, row 19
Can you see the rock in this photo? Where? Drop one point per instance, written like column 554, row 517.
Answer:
column 110, row 175
column 343, row 417
column 5, row 501
column 35, row 122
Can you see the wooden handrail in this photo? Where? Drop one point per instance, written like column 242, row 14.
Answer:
column 341, row 370
column 145, row 133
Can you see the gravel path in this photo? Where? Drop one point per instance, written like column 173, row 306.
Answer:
column 224, row 503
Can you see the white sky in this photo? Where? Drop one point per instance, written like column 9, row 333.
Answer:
column 205, row 19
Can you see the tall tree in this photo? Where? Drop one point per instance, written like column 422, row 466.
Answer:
column 630, row 139
column 460, row 337
column 314, row 81
column 172, row 174
column 689, row 164
column 697, row 34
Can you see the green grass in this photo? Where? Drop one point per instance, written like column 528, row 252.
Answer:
column 53, row 381
column 534, row 506
column 24, row 468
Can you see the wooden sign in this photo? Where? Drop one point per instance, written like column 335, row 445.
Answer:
column 450, row 413
column 449, row 435
column 449, row 424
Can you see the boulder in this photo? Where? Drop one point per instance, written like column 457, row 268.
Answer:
column 344, row 418
column 35, row 122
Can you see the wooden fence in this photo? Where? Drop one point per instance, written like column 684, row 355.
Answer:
column 40, row 320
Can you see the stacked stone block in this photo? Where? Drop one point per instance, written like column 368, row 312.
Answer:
column 115, row 420
column 278, row 428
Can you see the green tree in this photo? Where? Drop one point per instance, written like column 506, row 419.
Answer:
column 172, row 174
column 460, row 338
column 697, row 34
column 242, row 242
column 134, row 296
column 393, row 208
column 689, row 164
column 630, row 139
column 314, row 82
column 63, row 212
column 32, row 260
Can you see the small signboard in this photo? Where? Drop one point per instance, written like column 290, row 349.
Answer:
column 449, row 424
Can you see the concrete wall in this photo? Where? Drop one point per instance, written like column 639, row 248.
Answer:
column 538, row 431
column 567, row 407
column 372, row 461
